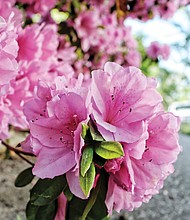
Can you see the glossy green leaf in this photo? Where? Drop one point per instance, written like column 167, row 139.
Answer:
column 109, row 149
column 47, row 212
column 86, row 160
column 24, row 178
column 87, row 181
column 47, row 190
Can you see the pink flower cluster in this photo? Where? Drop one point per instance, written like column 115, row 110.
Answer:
column 47, row 86
column 38, row 6
column 125, row 108
column 102, row 37
column 37, row 51
column 147, row 9
column 157, row 50
column 26, row 56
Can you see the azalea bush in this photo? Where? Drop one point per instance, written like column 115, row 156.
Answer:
column 94, row 123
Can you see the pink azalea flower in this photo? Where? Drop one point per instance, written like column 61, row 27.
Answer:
column 5, row 115
column 37, row 42
column 136, row 179
column 29, row 43
column 49, row 41
column 39, row 6
column 157, row 50
column 18, row 95
column 122, row 102
column 86, row 25
column 55, row 118
column 10, row 13
column 8, row 51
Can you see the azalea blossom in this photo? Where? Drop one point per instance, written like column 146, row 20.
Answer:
column 55, row 118
column 126, row 108
column 122, row 102
column 39, row 6
column 156, row 51
column 102, row 126
column 139, row 176
column 8, row 51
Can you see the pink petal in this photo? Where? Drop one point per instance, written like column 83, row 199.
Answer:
column 51, row 133
column 74, row 185
column 112, row 68
column 53, row 162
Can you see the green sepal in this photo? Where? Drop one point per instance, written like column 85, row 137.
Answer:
column 47, row 190
column 24, row 178
column 109, row 149
column 84, row 130
column 86, row 182
column 87, row 157
column 96, row 136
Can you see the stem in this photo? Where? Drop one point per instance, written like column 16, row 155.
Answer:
column 19, row 152
column 25, row 159
column 16, row 150
column 91, row 201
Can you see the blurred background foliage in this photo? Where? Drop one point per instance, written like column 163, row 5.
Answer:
column 173, row 83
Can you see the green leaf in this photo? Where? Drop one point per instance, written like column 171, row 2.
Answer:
column 47, row 212
column 86, row 160
column 96, row 136
column 84, row 130
column 31, row 211
column 87, row 181
column 47, row 190
column 24, row 178
column 109, row 149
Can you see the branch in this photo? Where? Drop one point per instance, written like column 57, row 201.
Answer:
column 16, row 150
column 19, row 153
